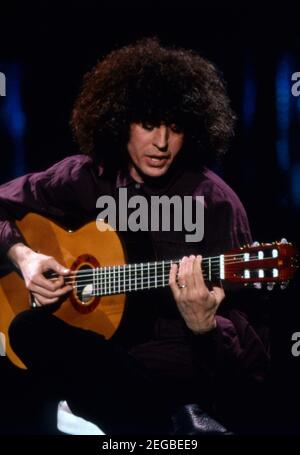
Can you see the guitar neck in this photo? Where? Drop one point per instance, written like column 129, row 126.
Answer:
column 267, row 263
column 146, row 275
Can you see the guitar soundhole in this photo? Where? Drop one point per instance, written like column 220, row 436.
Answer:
column 83, row 297
column 84, row 284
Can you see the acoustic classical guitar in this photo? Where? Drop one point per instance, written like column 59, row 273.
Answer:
column 101, row 278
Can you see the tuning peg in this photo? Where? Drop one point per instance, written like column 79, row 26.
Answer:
column 257, row 285
column 246, row 245
column 270, row 286
column 284, row 285
column 283, row 241
column 255, row 244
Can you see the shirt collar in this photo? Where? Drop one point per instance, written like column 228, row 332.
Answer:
column 123, row 179
column 180, row 181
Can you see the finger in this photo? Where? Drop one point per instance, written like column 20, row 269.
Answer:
column 50, row 294
column 189, row 272
column 52, row 264
column 218, row 293
column 51, row 285
column 60, row 282
column 182, row 271
column 41, row 301
column 172, row 281
column 198, row 275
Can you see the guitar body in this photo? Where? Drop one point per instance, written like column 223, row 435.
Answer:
column 100, row 314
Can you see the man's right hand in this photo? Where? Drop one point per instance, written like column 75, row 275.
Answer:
column 33, row 266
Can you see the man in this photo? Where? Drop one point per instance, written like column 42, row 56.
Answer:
column 149, row 119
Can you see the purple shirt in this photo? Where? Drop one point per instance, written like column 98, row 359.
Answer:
column 68, row 192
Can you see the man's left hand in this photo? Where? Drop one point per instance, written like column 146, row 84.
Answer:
column 196, row 303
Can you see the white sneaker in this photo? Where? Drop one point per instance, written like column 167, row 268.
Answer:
column 69, row 423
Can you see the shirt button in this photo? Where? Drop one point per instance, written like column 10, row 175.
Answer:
column 137, row 186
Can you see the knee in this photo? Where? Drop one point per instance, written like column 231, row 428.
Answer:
column 23, row 327
column 18, row 325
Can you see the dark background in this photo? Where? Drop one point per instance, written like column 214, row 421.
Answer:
column 45, row 51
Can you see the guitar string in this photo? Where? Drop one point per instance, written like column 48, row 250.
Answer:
column 212, row 259
column 159, row 264
column 152, row 284
column 116, row 281
column 121, row 291
column 111, row 271
column 129, row 282
column 106, row 283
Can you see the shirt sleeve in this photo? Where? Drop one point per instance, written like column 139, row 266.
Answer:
column 65, row 191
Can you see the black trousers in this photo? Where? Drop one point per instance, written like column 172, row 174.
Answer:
column 100, row 380
column 21, row 411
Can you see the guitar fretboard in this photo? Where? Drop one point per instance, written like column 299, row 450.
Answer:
column 134, row 277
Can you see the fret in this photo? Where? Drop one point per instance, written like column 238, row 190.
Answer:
column 109, row 280
column 148, row 275
column 98, row 284
column 114, row 279
column 94, row 281
column 129, row 277
column 99, row 281
column 155, row 274
column 97, row 290
column 209, row 269
column 124, row 278
column 142, row 276
column 222, row 270
column 135, row 278
column 168, row 272
column 76, row 284
column 104, row 273
column 163, row 273
column 119, row 272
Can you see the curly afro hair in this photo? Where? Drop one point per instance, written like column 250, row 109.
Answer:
column 148, row 83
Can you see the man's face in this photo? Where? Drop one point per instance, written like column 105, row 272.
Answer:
column 152, row 149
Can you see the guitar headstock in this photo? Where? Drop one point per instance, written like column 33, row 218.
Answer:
column 267, row 263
